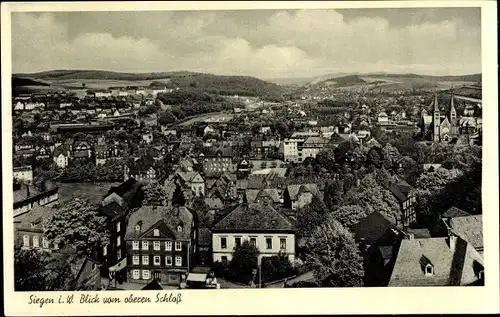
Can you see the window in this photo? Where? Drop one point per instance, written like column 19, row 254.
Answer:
column 26, row 240
column 253, row 241
column 135, row 274
column 156, row 245
column 35, row 242
column 168, row 260
column 145, row 274
column 178, row 261
column 269, row 243
column 156, row 260
column 224, row 259
column 137, row 227
column 118, row 241
column 168, row 245
column 135, row 260
column 45, row 243
column 283, row 244
column 145, row 259
column 104, row 249
column 179, row 228
column 223, row 243
column 118, row 226
column 156, row 232
column 145, row 245
column 237, row 241
column 135, row 245
column 119, row 254
column 178, row 246
column 429, row 270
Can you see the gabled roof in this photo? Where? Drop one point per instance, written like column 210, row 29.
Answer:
column 151, row 215
column 376, row 228
column 458, row 266
column 111, row 210
column 469, row 228
column 295, row 190
column 214, row 203
column 454, row 212
column 254, row 218
column 251, row 195
column 400, row 189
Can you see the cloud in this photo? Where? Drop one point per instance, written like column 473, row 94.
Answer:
column 279, row 44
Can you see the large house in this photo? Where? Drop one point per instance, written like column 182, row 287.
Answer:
column 161, row 244
column 299, row 196
column 447, row 261
column 265, row 227
column 406, row 198
column 29, row 229
column 27, row 197
column 193, row 181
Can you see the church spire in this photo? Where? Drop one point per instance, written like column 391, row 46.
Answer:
column 452, row 102
column 436, row 107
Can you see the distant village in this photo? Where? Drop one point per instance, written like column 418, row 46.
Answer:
column 132, row 201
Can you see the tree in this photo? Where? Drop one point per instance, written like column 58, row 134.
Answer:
column 372, row 197
column 78, row 224
column 348, row 215
column 154, row 195
column 311, row 217
column 375, row 156
column 244, row 261
column 276, row 268
column 333, row 195
column 34, row 270
column 201, row 210
column 178, row 198
column 335, row 256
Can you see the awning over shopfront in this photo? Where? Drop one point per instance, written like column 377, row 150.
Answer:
column 197, row 277
column 119, row 266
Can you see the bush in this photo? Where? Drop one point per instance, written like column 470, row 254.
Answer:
column 276, row 268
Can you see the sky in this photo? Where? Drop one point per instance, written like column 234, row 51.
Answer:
column 260, row 43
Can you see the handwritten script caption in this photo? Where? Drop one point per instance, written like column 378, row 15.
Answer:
column 161, row 297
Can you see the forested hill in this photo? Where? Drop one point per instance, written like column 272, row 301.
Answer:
column 189, row 81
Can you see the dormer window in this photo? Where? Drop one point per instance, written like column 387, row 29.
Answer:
column 429, row 270
column 179, row 228
column 138, row 226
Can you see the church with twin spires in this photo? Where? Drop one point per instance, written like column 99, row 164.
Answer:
column 440, row 126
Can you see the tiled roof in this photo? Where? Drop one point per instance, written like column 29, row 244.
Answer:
column 400, row 189
column 214, row 203
column 373, row 228
column 454, row 212
column 315, row 141
column 242, row 183
column 25, row 192
column 294, row 190
column 150, row 215
column 457, row 267
column 252, row 194
column 36, row 215
column 111, row 210
column 254, row 218
column 469, row 228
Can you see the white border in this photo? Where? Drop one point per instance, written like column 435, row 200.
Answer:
column 279, row 301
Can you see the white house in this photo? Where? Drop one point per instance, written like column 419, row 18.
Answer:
column 291, row 149
column 262, row 225
column 23, row 174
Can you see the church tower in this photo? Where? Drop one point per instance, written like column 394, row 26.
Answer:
column 453, row 116
column 436, row 121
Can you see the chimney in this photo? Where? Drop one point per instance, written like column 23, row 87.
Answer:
column 453, row 242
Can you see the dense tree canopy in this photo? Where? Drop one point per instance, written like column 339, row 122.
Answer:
column 35, row 270
column 154, row 194
column 335, row 256
column 79, row 224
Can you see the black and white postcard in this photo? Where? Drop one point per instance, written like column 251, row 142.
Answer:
column 250, row 158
